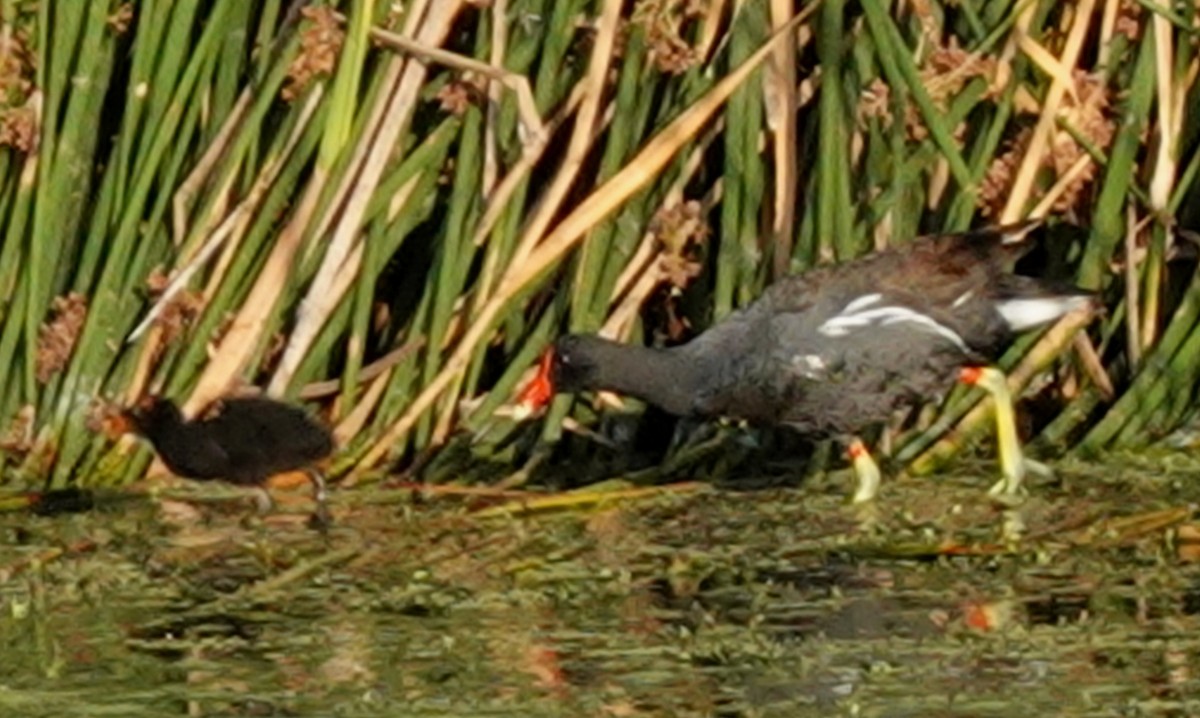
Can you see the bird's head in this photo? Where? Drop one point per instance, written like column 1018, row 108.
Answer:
column 151, row 412
column 566, row 367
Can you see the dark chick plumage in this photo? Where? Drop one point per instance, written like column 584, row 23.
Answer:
column 245, row 440
column 838, row 349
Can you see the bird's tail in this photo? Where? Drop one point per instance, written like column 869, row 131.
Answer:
column 1028, row 302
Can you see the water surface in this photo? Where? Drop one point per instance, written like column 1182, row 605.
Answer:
column 688, row 601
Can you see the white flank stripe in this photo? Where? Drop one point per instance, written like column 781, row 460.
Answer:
column 1022, row 314
column 926, row 322
column 847, row 321
column 966, row 297
column 861, row 303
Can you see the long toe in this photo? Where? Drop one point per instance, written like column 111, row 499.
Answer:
column 1011, row 488
column 1038, row 468
column 1006, row 492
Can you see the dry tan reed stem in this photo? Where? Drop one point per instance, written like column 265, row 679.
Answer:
column 582, row 136
column 234, row 225
column 181, row 202
column 345, row 248
column 779, row 88
column 1044, row 131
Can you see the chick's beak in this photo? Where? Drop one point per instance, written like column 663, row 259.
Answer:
column 113, row 424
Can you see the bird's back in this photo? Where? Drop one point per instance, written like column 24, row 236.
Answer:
column 952, row 279
column 261, row 437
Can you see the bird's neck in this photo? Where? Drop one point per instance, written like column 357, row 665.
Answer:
column 663, row 377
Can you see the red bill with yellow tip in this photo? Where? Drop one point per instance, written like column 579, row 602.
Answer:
column 540, row 390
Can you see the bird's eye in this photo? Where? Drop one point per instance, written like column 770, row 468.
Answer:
column 565, row 359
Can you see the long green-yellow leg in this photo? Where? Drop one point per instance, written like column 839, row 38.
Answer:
column 866, row 470
column 1012, row 462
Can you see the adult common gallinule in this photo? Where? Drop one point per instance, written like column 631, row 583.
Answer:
column 242, row 440
column 838, row 349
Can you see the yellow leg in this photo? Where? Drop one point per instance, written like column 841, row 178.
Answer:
column 1013, row 464
column 866, row 470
